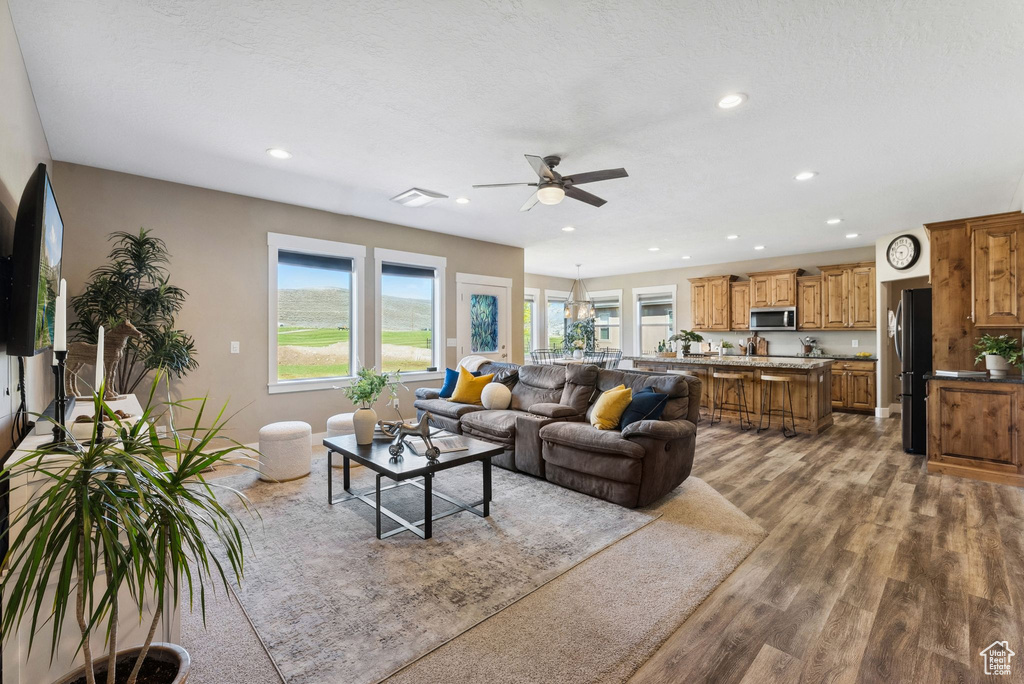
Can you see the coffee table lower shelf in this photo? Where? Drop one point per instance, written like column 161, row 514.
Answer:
column 423, row 528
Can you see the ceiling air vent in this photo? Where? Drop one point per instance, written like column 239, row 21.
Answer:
column 417, row 198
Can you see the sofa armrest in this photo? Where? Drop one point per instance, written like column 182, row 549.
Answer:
column 428, row 392
column 551, row 410
column 662, row 430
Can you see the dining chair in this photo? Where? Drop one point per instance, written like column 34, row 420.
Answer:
column 544, row 357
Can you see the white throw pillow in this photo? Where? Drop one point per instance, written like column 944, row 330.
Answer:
column 496, row 396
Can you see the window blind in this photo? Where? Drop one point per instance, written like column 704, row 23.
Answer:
column 321, row 261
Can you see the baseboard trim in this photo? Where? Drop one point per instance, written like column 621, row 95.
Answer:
column 881, row 412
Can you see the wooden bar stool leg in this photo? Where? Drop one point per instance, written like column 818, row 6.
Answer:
column 715, row 403
column 765, row 398
column 744, row 410
column 792, row 415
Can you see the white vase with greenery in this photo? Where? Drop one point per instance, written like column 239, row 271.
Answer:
column 364, row 393
column 1001, row 354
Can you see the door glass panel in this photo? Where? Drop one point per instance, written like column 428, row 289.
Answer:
column 483, row 323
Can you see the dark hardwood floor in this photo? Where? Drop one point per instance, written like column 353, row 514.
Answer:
column 872, row 571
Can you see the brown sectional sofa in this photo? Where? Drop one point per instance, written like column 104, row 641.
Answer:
column 546, row 430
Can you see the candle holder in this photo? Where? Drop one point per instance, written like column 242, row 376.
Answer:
column 60, row 404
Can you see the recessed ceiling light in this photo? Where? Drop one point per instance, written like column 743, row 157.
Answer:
column 654, row 249
column 733, row 100
column 686, row 257
column 462, row 200
column 569, row 229
column 758, row 247
column 834, row 221
column 278, row 153
column 805, row 175
column 852, row 235
column 732, row 237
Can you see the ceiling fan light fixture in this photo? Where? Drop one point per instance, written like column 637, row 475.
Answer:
column 550, row 194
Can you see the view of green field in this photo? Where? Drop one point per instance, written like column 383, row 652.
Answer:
column 324, row 352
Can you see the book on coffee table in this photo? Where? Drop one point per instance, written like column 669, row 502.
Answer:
column 445, row 441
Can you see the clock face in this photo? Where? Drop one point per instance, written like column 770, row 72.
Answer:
column 903, row 252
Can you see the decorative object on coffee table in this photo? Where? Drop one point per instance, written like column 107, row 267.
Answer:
column 399, row 430
column 84, row 354
column 364, row 393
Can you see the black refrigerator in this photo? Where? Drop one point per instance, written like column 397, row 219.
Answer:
column 914, row 349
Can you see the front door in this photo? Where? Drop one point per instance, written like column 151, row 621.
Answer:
column 483, row 320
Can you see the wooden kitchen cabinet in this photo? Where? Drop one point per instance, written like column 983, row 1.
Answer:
column 774, row 288
column 808, row 303
column 710, row 299
column 848, row 296
column 853, row 386
column 997, row 271
column 739, row 306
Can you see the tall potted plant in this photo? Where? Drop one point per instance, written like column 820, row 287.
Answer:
column 686, row 338
column 364, row 393
column 132, row 512
column 1000, row 353
column 134, row 286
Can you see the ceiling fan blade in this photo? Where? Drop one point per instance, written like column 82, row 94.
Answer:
column 593, row 176
column 541, row 167
column 502, row 185
column 583, row 196
column 530, row 202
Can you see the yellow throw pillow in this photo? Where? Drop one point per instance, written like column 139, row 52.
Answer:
column 610, row 406
column 468, row 389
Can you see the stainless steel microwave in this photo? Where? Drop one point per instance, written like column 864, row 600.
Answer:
column 773, row 318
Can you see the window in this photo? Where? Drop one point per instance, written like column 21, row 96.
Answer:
column 555, row 318
column 409, row 311
column 655, row 309
column 607, row 319
column 314, row 312
column 530, row 319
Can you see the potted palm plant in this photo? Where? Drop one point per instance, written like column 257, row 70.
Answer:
column 1000, row 353
column 364, row 393
column 130, row 512
column 685, row 338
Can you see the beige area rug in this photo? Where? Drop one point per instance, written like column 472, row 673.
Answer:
column 334, row 604
column 600, row 621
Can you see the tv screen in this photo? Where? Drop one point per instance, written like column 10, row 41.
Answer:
column 38, row 243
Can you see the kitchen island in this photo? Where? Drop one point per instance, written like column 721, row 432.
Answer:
column 811, row 384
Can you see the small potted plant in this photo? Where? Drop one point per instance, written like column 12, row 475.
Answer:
column 723, row 350
column 577, row 348
column 364, row 393
column 685, row 338
column 1000, row 353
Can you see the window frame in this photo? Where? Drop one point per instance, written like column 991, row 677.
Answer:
column 307, row 245
column 561, row 296
column 533, row 292
column 398, row 257
column 638, row 292
column 617, row 296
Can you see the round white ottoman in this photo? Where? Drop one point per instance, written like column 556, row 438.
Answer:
column 340, row 424
column 287, row 449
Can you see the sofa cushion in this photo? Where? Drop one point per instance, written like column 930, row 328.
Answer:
column 451, row 378
column 588, row 439
column 538, row 385
column 469, row 388
column 499, row 423
column 443, row 407
column 553, row 411
column 427, row 392
column 506, row 376
column 580, row 383
column 614, row 467
column 675, row 386
column 647, row 404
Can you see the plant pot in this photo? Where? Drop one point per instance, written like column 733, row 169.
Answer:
column 996, row 365
column 577, row 354
column 160, row 652
column 686, row 348
column 364, row 421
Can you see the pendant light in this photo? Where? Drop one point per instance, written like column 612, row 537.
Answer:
column 579, row 305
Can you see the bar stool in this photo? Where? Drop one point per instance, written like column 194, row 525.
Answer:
column 767, row 383
column 740, row 406
column 693, row 374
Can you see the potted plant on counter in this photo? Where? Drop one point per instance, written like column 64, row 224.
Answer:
column 723, row 349
column 685, row 338
column 1000, row 354
column 364, row 393
column 129, row 515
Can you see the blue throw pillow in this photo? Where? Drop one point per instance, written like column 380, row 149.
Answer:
column 450, row 378
column 647, row 404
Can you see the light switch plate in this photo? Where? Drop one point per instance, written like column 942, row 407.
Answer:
column 235, row 347
column 855, row 343
column 452, row 341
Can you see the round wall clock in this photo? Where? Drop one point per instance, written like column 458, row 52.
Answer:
column 903, row 252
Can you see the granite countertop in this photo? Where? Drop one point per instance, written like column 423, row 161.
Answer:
column 1011, row 379
column 834, row 357
column 800, row 363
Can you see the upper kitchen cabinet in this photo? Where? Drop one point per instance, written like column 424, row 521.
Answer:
column 774, row 288
column 808, row 303
column 997, row 270
column 739, row 306
column 710, row 302
column 848, row 296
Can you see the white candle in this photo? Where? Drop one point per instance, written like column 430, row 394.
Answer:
column 99, row 361
column 60, row 319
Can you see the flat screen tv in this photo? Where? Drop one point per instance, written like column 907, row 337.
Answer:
column 35, row 268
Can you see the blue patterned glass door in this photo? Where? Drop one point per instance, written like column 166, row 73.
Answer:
column 483, row 323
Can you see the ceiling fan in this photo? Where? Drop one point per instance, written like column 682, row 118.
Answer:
column 552, row 187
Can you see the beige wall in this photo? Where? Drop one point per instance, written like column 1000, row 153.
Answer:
column 22, row 147
column 779, row 343
column 218, row 246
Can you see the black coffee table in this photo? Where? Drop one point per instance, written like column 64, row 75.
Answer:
column 409, row 469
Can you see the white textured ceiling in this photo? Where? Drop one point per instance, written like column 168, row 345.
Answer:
column 911, row 111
